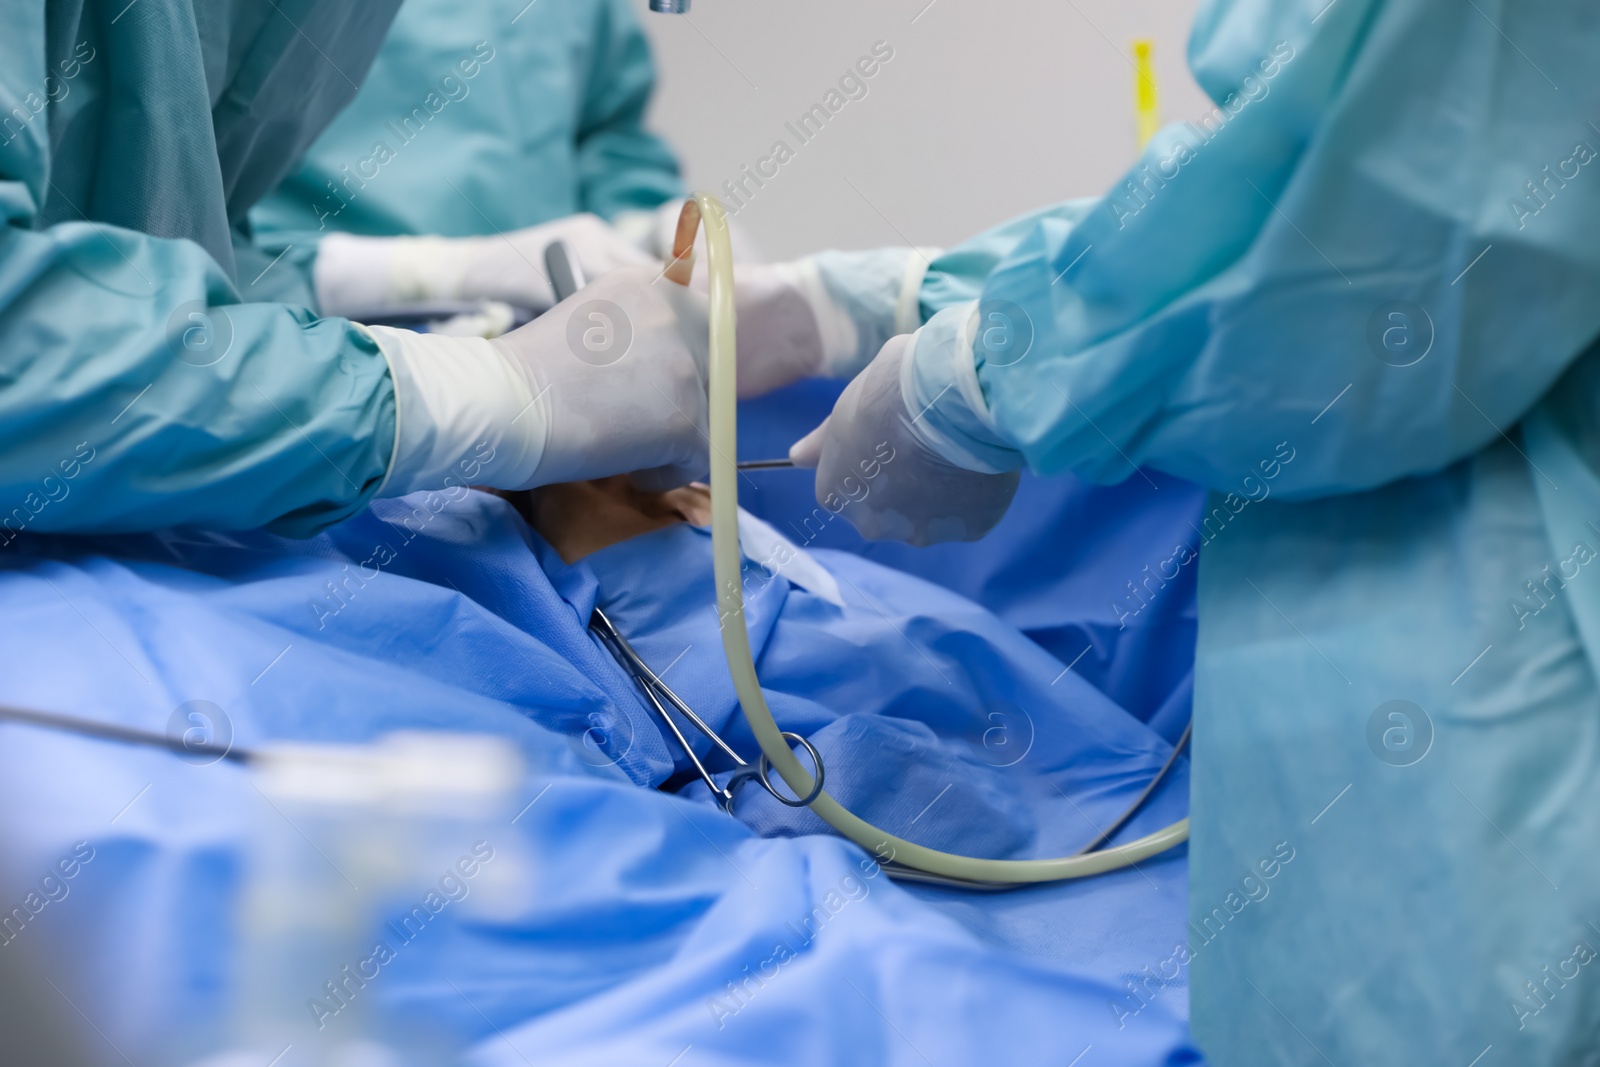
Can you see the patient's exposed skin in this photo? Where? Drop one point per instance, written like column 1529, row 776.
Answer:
column 580, row 518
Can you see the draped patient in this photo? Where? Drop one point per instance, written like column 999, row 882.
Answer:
column 909, row 691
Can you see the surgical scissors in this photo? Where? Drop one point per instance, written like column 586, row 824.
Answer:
column 655, row 691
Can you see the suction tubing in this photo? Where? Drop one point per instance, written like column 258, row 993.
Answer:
column 704, row 209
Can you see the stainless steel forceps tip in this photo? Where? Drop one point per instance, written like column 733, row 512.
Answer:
column 656, row 691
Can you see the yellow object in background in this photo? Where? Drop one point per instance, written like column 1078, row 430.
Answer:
column 1146, row 101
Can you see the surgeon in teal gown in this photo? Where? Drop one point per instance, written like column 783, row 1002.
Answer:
column 1357, row 300
column 552, row 124
column 158, row 369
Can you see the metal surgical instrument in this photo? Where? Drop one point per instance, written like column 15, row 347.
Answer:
column 656, row 691
column 127, row 735
column 561, row 264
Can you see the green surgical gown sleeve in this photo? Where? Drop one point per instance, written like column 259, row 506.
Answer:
column 136, row 390
column 1377, row 250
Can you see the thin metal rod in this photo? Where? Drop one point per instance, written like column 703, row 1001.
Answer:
column 1133, row 809
column 126, row 734
column 766, row 464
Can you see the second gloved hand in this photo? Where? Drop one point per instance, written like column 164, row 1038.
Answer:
column 360, row 277
column 610, row 381
column 881, row 465
column 824, row 315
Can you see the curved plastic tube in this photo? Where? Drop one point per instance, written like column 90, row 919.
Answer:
column 727, row 563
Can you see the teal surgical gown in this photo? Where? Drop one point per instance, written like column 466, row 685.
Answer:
column 141, row 383
column 482, row 118
column 1356, row 299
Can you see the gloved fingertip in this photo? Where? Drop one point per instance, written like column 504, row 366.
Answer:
column 807, row 452
column 680, row 269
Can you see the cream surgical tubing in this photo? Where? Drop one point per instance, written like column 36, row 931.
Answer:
column 736, row 638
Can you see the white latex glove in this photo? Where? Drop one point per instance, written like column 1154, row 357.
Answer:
column 610, row 381
column 779, row 331
column 881, row 465
column 359, row 277
column 824, row 315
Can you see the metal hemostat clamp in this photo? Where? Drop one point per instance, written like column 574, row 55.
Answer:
column 655, row 691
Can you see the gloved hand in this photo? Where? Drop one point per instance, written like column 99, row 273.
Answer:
column 359, row 277
column 824, row 315
column 610, row 381
column 883, row 465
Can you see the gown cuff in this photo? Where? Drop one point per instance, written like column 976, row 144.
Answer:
column 861, row 299
column 464, row 415
column 944, row 399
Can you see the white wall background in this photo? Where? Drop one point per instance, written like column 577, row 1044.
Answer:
column 989, row 108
